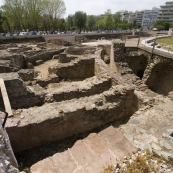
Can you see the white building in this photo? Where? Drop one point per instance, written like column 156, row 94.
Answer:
column 149, row 18
column 166, row 12
column 132, row 17
column 128, row 16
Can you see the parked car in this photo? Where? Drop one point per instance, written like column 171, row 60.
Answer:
column 9, row 34
column 16, row 33
column 2, row 34
column 49, row 32
column 32, row 33
column 23, row 33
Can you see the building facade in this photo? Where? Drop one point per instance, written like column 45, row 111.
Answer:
column 166, row 12
column 132, row 17
column 149, row 18
column 139, row 17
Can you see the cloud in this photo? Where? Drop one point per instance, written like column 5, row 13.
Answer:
column 96, row 7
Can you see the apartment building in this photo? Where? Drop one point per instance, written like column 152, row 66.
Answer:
column 149, row 18
column 139, row 17
column 166, row 12
column 132, row 17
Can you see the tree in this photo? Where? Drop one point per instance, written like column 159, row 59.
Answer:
column 116, row 19
column 80, row 19
column 91, row 22
column 69, row 22
column 54, row 9
column 13, row 11
column 108, row 20
column 61, row 24
column 161, row 25
column 32, row 18
column 166, row 25
column 2, row 18
column 33, row 14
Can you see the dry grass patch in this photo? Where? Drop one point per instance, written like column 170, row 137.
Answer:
column 141, row 162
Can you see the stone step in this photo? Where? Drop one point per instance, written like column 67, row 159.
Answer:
column 89, row 155
column 70, row 90
column 82, row 152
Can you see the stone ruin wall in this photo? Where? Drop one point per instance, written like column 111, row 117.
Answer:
column 74, row 110
column 70, row 111
column 7, row 158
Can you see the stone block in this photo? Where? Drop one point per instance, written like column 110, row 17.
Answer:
column 38, row 62
column 27, row 74
column 53, row 78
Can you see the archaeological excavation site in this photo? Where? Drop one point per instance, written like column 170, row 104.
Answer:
column 77, row 108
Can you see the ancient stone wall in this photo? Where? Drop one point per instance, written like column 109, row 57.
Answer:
column 64, row 58
column 7, row 158
column 58, row 120
column 20, row 95
column 78, row 69
column 138, row 64
column 43, row 55
column 12, row 63
column 80, row 50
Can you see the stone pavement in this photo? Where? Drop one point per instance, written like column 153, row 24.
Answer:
column 151, row 128
column 89, row 155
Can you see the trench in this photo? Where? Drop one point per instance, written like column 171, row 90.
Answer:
column 161, row 79
column 138, row 64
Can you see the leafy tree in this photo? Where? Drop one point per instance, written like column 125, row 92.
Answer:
column 116, row 19
column 61, row 24
column 98, row 23
column 54, row 9
column 91, row 22
column 166, row 25
column 2, row 18
column 46, row 24
column 32, row 12
column 69, row 22
column 101, row 24
column 161, row 25
column 124, row 25
column 108, row 20
column 80, row 19
column 13, row 11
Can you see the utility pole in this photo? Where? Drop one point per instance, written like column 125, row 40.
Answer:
column 153, row 47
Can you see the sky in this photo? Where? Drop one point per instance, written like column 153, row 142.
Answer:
column 96, row 7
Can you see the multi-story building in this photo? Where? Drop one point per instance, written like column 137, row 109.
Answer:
column 139, row 17
column 166, row 12
column 128, row 16
column 124, row 15
column 149, row 18
column 132, row 17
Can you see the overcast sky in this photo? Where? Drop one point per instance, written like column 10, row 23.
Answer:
column 96, row 7
column 100, row 6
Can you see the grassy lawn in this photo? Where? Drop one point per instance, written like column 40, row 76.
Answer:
column 166, row 43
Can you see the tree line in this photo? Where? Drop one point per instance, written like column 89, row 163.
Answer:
column 108, row 21
column 31, row 14
column 47, row 15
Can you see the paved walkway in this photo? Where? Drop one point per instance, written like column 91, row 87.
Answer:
column 89, row 155
column 134, row 41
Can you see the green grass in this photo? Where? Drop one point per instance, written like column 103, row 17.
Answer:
column 166, row 40
column 166, row 43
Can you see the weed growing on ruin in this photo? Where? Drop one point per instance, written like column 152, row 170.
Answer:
column 141, row 162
